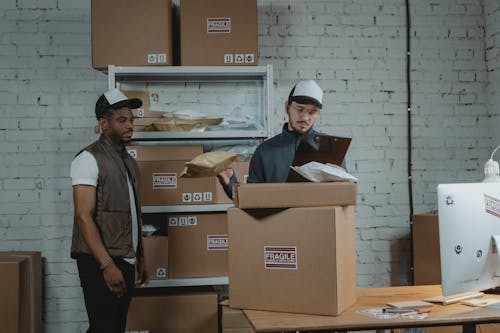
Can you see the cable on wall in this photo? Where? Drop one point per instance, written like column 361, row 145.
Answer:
column 408, row 108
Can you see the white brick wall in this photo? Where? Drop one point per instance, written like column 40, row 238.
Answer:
column 492, row 44
column 356, row 51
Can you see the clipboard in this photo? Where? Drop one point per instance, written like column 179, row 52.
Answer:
column 320, row 148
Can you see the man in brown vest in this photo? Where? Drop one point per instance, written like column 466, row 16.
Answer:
column 107, row 242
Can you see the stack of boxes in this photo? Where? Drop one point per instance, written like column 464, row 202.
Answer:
column 194, row 246
column 145, row 33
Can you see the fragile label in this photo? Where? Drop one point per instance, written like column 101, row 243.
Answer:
column 221, row 25
column 217, row 242
column 492, row 205
column 280, row 257
column 164, row 180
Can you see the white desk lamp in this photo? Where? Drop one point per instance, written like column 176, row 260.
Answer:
column 491, row 170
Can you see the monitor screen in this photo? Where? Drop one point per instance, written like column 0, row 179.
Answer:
column 469, row 218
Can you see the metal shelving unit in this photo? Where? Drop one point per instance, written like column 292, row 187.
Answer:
column 131, row 74
column 159, row 74
column 187, row 208
column 192, row 282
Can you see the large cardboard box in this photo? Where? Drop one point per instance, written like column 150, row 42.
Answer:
column 426, row 255
column 156, row 251
column 198, row 245
column 218, row 32
column 285, row 195
column 131, row 33
column 160, row 184
column 31, row 284
column 179, row 313
column 15, row 299
column 300, row 260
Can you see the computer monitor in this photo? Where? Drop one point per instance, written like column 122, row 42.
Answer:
column 469, row 220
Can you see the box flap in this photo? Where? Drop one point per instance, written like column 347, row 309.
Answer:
column 287, row 195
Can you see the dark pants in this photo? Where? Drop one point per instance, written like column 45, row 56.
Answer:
column 107, row 313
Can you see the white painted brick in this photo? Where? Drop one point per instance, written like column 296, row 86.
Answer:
column 8, row 4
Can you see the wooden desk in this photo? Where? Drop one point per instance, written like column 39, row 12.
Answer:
column 352, row 320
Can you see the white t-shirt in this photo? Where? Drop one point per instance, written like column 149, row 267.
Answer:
column 84, row 171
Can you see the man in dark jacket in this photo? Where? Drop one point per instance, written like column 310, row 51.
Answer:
column 107, row 242
column 272, row 159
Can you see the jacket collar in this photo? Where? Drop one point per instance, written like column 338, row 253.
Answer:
column 117, row 153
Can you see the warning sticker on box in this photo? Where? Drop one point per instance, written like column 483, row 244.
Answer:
column 217, row 242
column 280, row 257
column 220, row 25
column 492, row 205
column 164, row 180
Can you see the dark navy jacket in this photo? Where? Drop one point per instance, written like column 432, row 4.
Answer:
column 272, row 159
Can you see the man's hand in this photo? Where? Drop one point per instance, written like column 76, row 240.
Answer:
column 225, row 176
column 114, row 280
column 142, row 273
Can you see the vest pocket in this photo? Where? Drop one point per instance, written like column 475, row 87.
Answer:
column 114, row 229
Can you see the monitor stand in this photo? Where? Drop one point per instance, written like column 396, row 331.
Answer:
column 445, row 300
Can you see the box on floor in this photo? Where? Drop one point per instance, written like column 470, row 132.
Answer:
column 21, row 291
column 180, row 313
column 131, row 33
column 218, row 32
column 426, row 254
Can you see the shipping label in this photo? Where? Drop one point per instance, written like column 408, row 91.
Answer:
column 280, row 257
column 217, row 242
column 492, row 205
column 164, row 180
column 219, row 25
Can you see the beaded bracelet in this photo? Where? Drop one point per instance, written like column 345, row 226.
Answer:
column 106, row 263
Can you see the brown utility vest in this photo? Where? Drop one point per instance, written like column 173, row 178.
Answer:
column 112, row 210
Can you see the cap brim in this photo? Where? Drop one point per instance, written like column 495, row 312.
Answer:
column 132, row 103
column 306, row 99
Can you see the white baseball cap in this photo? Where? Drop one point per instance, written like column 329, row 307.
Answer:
column 307, row 91
column 115, row 99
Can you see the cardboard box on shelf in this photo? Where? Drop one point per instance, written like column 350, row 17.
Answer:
column 160, row 184
column 146, row 121
column 426, row 255
column 300, row 260
column 218, row 33
column 198, row 245
column 156, row 251
column 285, row 195
column 32, row 295
column 145, row 40
column 186, row 313
column 140, row 94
